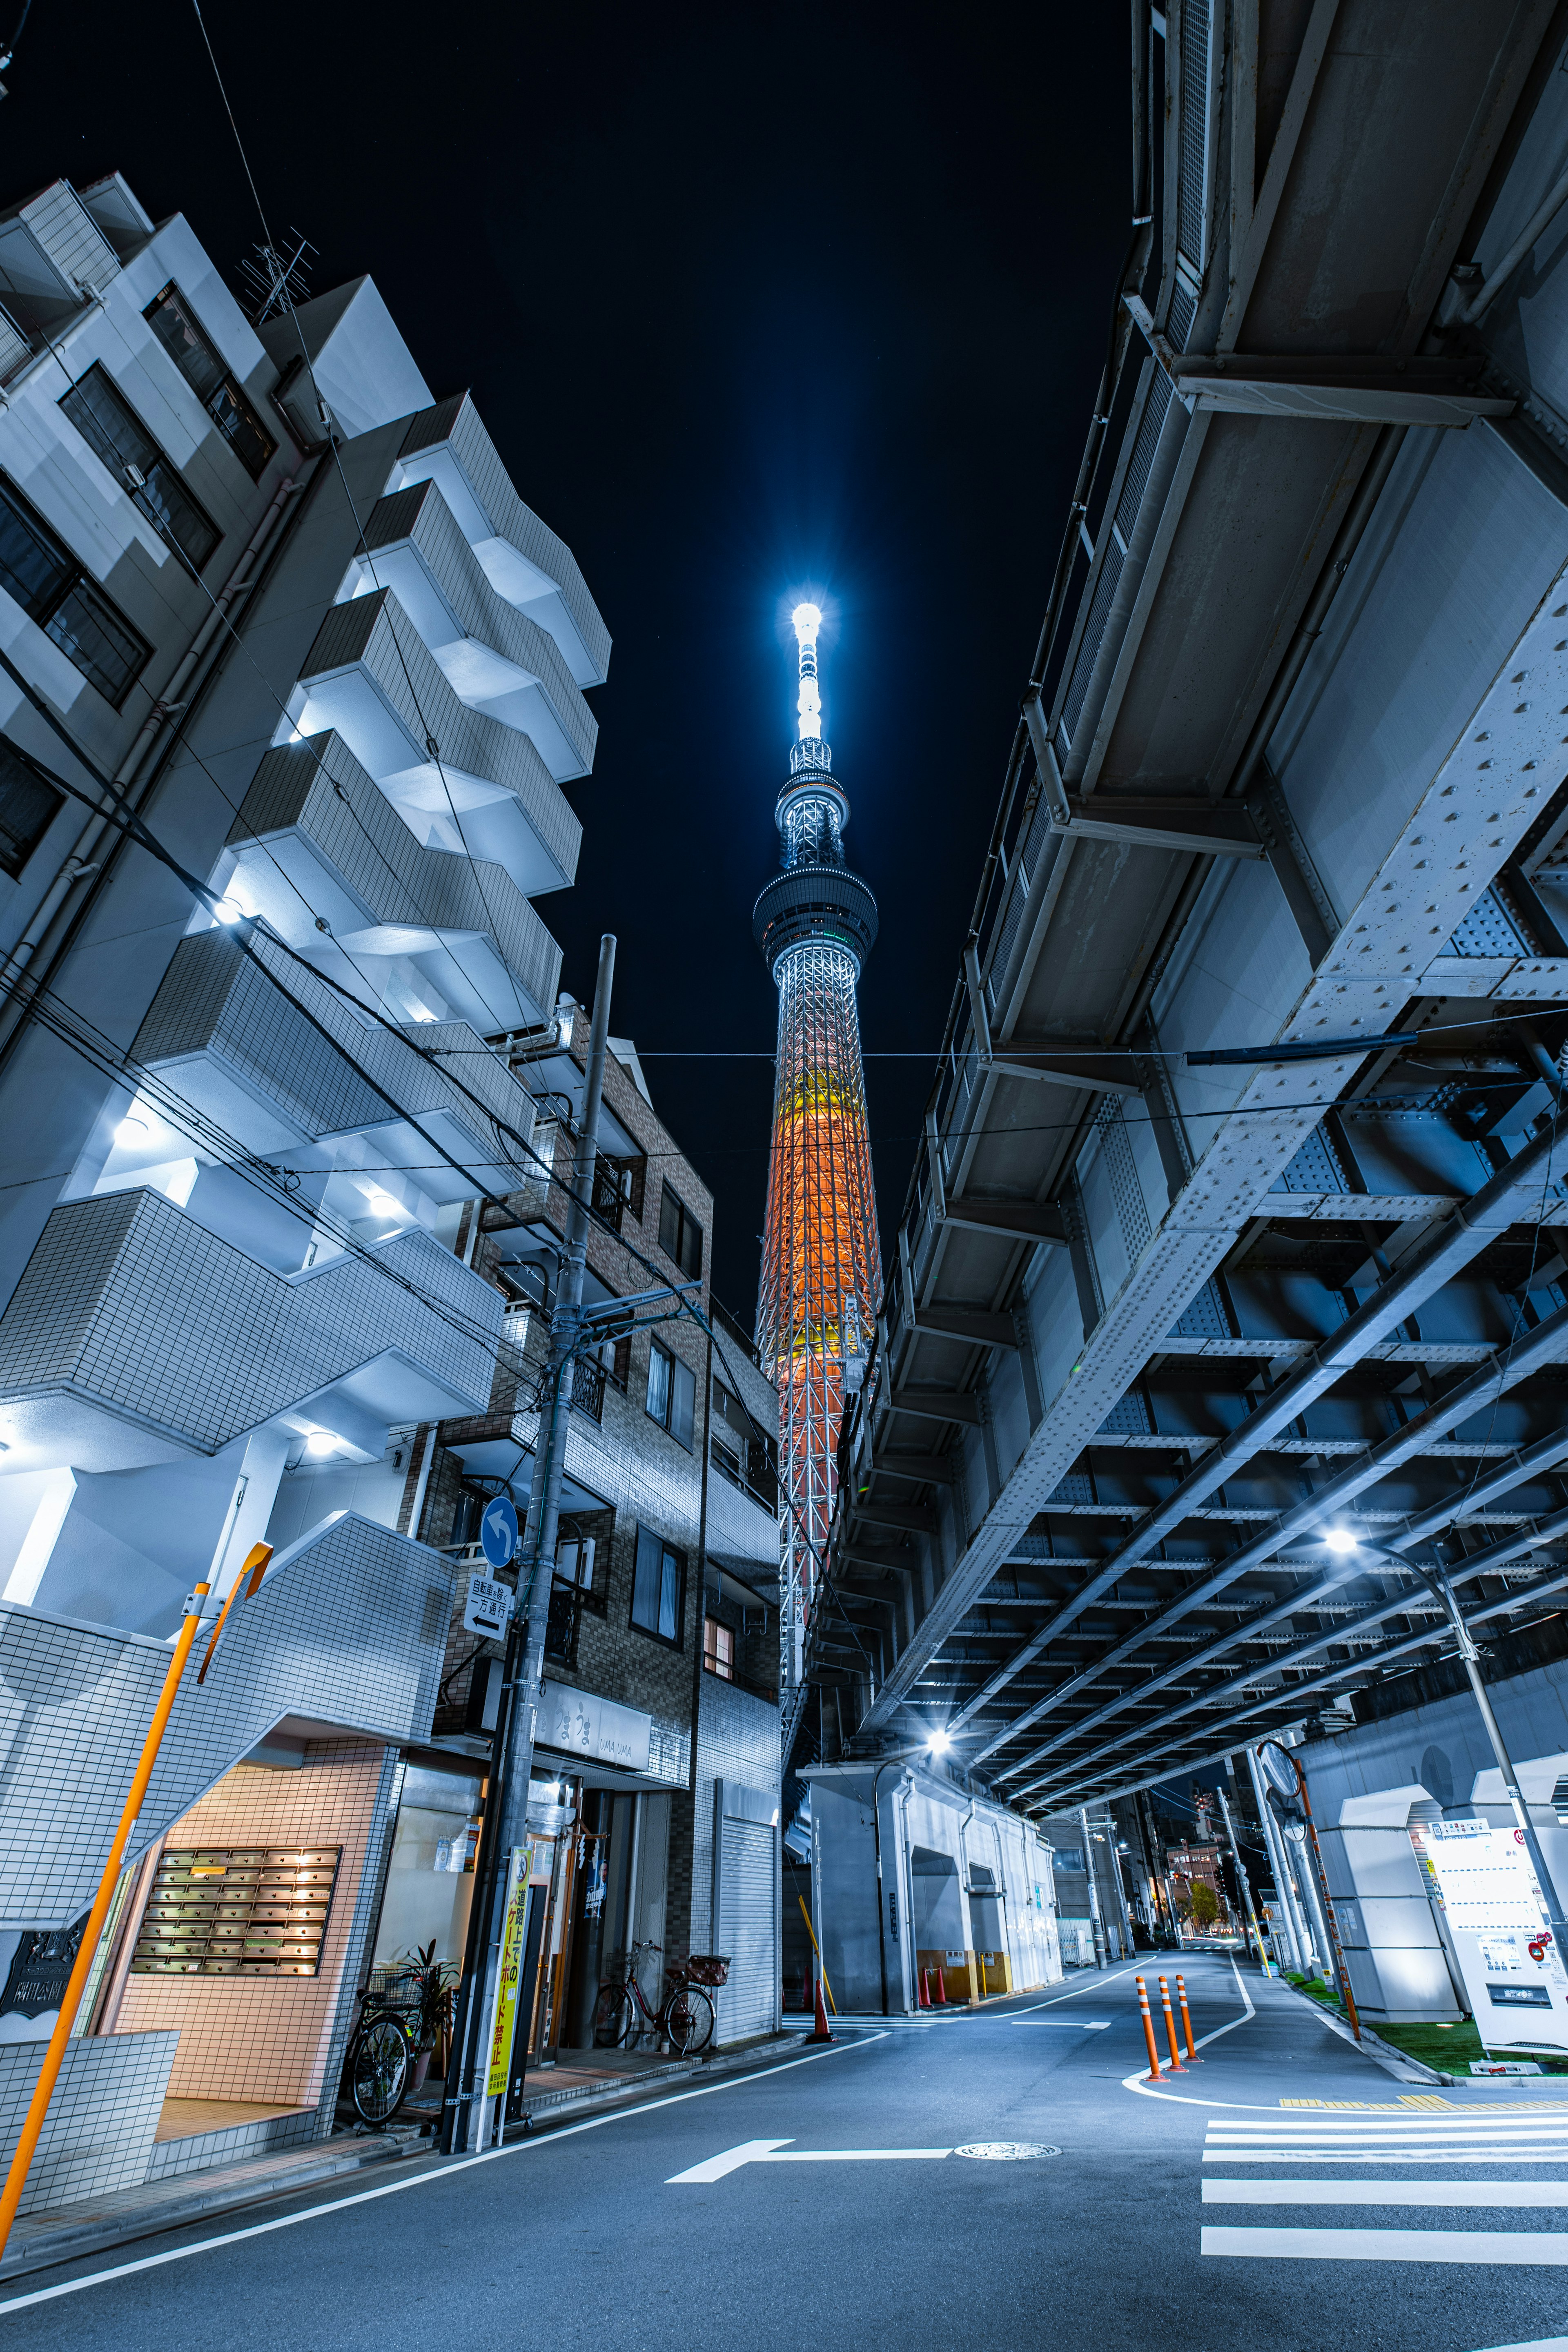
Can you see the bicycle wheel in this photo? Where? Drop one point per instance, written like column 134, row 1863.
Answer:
column 378, row 2070
column 688, row 2019
column 613, row 2017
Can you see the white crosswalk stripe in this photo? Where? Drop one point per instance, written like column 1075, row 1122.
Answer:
column 1537, row 2140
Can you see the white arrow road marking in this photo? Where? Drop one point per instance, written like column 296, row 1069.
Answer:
column 1384, row 2193
column 1513, row 2246
column 1072, row 2024
column 780, row 2151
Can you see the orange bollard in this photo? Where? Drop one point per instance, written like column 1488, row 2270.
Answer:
column 1149, row 2031
column 1192, row 2058
column 1177, row 2065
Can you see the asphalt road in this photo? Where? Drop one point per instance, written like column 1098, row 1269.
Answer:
column 1203, row 2211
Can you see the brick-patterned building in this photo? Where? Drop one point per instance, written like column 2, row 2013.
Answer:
column 663, row 1601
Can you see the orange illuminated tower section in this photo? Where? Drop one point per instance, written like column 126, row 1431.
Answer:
column 822, row 1281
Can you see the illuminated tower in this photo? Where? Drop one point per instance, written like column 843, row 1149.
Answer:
column 822, row 1281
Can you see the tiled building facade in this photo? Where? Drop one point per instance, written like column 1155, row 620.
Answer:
column 292, row 685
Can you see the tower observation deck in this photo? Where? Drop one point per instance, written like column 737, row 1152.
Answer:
column 815, row 923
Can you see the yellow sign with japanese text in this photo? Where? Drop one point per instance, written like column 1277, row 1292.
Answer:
column 511, row 1974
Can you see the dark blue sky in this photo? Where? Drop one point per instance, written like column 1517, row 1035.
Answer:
column 748, row 301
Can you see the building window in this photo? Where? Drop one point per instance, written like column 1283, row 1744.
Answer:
column 741, row 1452
column 112, row 429
column 27, row 808
column 657, row 1583
column 575, row 1560
column 672, row 1394
column 680, row 1235
column 718, row 1649
column 169, row 320
column 618, row 1188
column 52, row 588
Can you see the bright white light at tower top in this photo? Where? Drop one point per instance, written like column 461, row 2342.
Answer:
column 807, row 620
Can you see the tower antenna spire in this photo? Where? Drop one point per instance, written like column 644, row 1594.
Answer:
column 815, row 923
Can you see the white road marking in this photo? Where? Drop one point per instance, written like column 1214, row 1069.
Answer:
column 1480, row 2246
column 1140, row 2083
column 423, row 2179
column 1536, row 2344
column 1488, row 2154
column 1384, row 2193
column 1078, row 1993
column 1072, row 2024
column 1417, row 2124
column 781, row 2151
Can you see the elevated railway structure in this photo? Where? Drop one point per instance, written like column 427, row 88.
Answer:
column 1242, row 1209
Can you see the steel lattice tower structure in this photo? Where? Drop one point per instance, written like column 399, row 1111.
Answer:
column 815, row 923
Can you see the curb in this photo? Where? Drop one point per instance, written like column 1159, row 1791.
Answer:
column 96, row 2234
column 546, row 2104
column 99, row 2232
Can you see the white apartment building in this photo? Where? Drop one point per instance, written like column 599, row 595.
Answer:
column 290, row 683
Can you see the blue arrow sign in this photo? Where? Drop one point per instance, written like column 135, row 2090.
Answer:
column 498, row 1530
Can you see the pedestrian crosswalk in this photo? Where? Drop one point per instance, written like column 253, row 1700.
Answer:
column 1512, row 2163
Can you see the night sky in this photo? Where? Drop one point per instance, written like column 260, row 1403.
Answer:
column 753, row 304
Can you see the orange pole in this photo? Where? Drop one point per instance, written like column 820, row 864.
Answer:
column 1177, row 2065
column 254, row 1566
column 54, row 2057
column 1149, row 2031
column 1192, row 2058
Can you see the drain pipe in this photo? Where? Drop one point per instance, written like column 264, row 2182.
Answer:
column 99, row 840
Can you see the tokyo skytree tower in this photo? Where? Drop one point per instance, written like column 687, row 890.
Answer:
column 815, row 924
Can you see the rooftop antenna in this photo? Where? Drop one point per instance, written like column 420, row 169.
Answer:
column 279, row 278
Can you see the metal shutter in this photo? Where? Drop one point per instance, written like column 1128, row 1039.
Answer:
column 748, row 1930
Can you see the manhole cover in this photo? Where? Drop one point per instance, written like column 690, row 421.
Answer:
column 1007, row 2151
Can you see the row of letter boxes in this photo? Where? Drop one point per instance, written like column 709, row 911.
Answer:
column 233, row 1911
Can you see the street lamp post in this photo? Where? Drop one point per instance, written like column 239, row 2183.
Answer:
column 1344, row 1543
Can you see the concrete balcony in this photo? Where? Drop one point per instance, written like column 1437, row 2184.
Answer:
column 316, row 837
column 523, row 559
column 460, row 782
column 496, row 658
column 347, row 1633
column 136, row 1335
column 224, row 1038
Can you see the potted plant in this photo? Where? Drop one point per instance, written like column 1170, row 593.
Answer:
column 429, row 1984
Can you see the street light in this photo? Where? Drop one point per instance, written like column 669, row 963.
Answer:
column 1344, row 1543
column 935, row 1743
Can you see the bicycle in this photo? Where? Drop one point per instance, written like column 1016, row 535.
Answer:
column 685, row 2017
column 381, row 2057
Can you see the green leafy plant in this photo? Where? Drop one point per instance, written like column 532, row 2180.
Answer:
column 1205, row 1904
column 430, row 1983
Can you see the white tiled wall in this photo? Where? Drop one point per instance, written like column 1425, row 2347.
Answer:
column 98, row 2135
column 348, row 1632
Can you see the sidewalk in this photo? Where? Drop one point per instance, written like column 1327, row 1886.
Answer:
column 596, row 2081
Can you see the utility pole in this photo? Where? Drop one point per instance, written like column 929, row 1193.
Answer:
column 1280, row 1862
column 469, row 2120
column 1243, row 1882
column 1102, row 1955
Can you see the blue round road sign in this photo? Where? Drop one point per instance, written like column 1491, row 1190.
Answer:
column 498, row 1530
